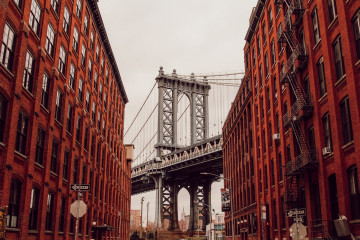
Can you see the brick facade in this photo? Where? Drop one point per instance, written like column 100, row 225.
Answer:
column 295, row 169
column 89, row 152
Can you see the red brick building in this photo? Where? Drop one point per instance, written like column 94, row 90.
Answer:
column 61, row 121
column 303, row 61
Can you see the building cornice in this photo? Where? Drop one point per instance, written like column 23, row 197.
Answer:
column 93, row 6
column 254, row 20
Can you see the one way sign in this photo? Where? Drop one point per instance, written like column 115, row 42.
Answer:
column 80, row 187
column 296, row 212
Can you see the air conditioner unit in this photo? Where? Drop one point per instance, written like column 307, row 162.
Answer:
column 157, row 159
column 326, row 150
column 295, row 118
column 276, row 136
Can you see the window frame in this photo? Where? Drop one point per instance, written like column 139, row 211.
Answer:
column 21, row 133
column 35, row 17
column 8, row 47
column 29, row 70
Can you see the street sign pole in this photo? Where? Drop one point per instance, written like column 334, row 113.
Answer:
column 77, row 215
column 297, row 225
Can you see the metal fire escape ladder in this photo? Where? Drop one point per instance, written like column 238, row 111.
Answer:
column 286, row 34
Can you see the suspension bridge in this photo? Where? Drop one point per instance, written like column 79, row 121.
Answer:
column 177, row 135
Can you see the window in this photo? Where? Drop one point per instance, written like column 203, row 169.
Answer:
column 8, row 47
column 275, row 214
column 34, row 205
column 254, row 56
column 346, row 121
column 28, row 72
column 259, row 45
column 87, row 101
column 83, row 173
column 86, row 139
column 3, row 110
column 338, row 58
column 90, row 70
column 332, row 9
column 18, row 3
column 354, row 191
column 62, row 214
column 105, row 101
column 266, row 177
column 103, row 127
column 78, row 8
column 264, row 32
column 93, row 112
column 54, row 156
column 58, row 106
column 14, row 204
column 321, row 75
column 40, row 144
column 34, row 19
column 334, row 201
column 62, row 60
column 275, row 88
column 69, row 118
column 66, row 22
column 92, row 40
column 66, row 164
column 280, row 166
column 101, row 92
column 55, row 5
column 266, row 64
column 315, row 23
column 76, row 171
column 97, row 56
column 80, row 93
column 327, row 130
column 273, row 56
column 50, row 38
column 95, row 81
column 86, row 25
column 78, row 125
column 21, row 135
column 270, row 18
column 356, row 27
column 83, row 55
column 288, row 152
column 99, row 120
column 311, row 138
column 260, row 75
column 107, row 76
column 72, row 76
column 49, row 211
column 102, row 66
column 76, row 39
column 315, row 193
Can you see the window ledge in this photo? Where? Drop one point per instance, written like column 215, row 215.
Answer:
column 322, row 98
column 340, row 80
column 21, row 155
column 53, row 174
column 356, row 221
column 348, row 145
column 32, row 231
column 7, row 70
column 329, row 155
column 28, row 92
column 2, row 144
column 44, row 108
column 357, row 64
column 317, row 45
column 333, row 23
column 10, row 229
column 48, row 232
column 39, row 165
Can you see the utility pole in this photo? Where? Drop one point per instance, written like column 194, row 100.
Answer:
column 141, row 230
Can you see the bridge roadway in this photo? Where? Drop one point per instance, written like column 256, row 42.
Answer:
column 181, row 169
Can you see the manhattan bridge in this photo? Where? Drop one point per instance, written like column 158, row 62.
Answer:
column 177, row 136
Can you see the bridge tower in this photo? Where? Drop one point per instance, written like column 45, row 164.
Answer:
column 170, row 87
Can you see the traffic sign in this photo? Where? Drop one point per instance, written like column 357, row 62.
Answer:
column 296, row 212
column 78, row 208
column 80, row 187
column 297, row 231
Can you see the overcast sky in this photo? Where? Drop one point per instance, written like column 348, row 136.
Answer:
column 200, row 36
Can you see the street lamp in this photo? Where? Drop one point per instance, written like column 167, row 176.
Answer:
column 231, row 200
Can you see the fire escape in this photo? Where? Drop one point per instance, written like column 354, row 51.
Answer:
column 302, row 107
